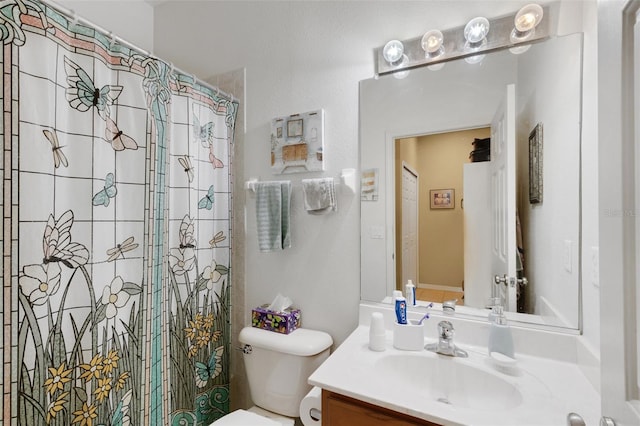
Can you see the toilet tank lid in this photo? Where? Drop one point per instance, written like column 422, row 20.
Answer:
column 301, row 342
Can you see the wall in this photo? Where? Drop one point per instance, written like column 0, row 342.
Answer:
column 130, row 20
column 441, row 231
column 301, row 56
column 551, row 243
column 438, row 160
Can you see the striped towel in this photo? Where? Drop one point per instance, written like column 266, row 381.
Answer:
column 273, row 205
column 319, row 195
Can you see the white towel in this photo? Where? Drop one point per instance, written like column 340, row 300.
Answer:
column 273, row 204
column 319, row 195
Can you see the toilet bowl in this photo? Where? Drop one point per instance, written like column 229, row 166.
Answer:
column 277, row 367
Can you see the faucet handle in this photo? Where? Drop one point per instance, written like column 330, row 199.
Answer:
column 445, row 330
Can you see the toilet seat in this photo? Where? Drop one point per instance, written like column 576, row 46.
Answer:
column 244, row 418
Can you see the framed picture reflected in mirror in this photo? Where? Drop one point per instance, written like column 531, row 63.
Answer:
column 535, row 165
column 442, row 198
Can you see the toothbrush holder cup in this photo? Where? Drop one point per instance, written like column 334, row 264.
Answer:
column 408, row 337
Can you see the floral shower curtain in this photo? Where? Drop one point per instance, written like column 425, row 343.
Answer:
column 116, row 201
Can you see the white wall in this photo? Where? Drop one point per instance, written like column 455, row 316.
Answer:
column 130, row 20
column 548, row 92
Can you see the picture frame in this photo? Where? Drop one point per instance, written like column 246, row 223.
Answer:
column 297, row 143
column 369, row 185
column 442, row 199
column 535, row 165
column 295, row 128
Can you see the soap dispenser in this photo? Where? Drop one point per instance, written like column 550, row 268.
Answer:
column 500, row 339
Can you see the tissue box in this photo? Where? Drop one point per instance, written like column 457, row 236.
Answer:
column 280, row 322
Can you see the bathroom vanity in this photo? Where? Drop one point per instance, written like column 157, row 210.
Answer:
column 361, row 386
column 338, row 410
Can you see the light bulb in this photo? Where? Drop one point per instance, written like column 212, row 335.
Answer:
column 519, row 49
column 474, row 59
column 393, row 51
column 432, row 42
column 528, row 17
column 476, row 30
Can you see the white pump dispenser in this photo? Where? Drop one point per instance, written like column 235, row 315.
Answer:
column 500, row 339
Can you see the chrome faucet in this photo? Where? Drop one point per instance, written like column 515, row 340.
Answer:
column 445, row 345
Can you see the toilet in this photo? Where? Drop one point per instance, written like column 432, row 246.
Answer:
column 277, row 366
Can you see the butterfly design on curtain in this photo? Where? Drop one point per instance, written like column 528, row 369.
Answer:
column 57, row 245
column 204, row 134
column 121, row 249
column 104, row 196
column 206, row 202
column 118, row 140
column 210, row 370
column 56, row 149
column 82, row 93
column 185, row 162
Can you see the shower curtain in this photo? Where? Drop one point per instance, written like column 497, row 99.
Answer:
column 116, row 201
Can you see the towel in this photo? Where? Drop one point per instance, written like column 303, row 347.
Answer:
column 273, row 204
column 319, row 195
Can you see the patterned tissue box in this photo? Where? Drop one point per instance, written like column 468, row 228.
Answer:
column 280, row 322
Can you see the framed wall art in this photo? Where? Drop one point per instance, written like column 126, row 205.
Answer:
column 297, row 143
column 535, row 165
column 442, row 198
column 369, row 185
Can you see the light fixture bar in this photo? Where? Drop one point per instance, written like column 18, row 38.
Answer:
column 499, row 37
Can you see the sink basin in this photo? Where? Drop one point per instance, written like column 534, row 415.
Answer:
column 448, row 380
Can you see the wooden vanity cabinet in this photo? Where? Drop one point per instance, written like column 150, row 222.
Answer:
column 340, row 410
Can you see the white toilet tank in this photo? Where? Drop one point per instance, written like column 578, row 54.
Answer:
column 278, row 366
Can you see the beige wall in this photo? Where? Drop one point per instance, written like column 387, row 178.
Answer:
column 438, row 159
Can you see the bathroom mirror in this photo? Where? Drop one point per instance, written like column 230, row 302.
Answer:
column 429, row 104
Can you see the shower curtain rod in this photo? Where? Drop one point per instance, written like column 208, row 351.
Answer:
column 70, row 13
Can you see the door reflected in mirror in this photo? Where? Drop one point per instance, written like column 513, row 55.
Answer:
column 461, row 98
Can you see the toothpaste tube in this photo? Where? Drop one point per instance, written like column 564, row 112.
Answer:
column 401, row 310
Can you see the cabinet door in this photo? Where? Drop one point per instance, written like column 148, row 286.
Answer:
column 339, row 410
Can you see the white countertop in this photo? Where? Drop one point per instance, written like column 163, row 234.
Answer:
column 550, row 389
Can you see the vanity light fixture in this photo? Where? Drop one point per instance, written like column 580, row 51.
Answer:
column 434, row 48
column 525, row 23
column 432, row 43
column 528, row 18
column 393, row 52
column 405, row 72
column 475, row 32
